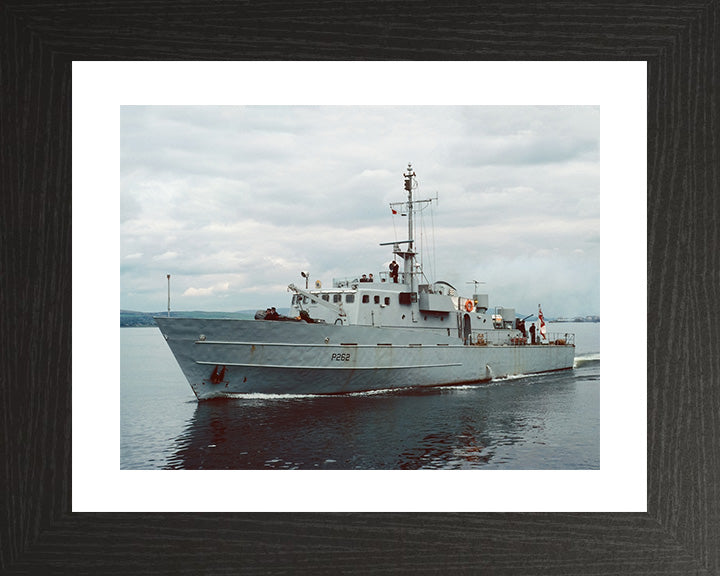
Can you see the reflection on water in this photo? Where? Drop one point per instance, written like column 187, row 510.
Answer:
column 547, row 421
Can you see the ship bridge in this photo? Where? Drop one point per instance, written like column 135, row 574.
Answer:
column 382, row 302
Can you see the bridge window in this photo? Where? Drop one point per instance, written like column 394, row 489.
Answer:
column 349, row 298
column 365, row 299
column 337, row 297
column 387, row 300
column 377, row 299
column 325, row 297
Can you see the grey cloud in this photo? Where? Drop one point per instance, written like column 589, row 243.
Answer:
column 248, row 196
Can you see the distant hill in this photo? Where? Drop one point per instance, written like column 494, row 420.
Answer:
column 577, row 319
column 131, row 318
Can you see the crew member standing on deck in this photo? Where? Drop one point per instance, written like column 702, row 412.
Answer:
column 532, row 333
column 394, row 267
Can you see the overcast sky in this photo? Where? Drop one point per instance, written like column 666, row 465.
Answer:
column 234, row 202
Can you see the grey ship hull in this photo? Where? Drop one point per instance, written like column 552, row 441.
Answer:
column 225, row 357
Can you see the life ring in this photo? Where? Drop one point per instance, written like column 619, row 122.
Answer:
column 469, row 305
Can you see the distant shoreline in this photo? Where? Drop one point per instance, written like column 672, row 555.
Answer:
column 135, row 319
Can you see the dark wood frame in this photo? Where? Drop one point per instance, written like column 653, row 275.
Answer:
column 680, row 533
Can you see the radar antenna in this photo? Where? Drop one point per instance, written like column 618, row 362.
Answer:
column 476, row 282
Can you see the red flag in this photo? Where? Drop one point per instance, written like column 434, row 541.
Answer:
column 393, row 210
column 543, row 330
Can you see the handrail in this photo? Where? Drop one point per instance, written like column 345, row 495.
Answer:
column 381, row 278
column 503, row 338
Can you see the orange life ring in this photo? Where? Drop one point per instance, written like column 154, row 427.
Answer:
column 469, row 305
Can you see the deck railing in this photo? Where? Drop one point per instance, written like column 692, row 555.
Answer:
column 498, row 338
column 353, row 281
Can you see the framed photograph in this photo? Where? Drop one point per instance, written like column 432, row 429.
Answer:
column 63, row 518
column 297, row 207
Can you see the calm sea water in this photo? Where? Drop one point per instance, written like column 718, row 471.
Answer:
column 550, row 421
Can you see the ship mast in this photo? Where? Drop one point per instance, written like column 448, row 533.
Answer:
column 409, row 186
column 409, row 256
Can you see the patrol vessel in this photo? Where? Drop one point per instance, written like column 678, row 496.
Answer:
column 392, row 331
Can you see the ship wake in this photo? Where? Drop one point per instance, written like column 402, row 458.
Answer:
column 587, row 360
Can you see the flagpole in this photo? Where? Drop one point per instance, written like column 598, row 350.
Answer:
column 168, row 279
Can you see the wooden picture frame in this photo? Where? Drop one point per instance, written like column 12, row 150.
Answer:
column 680, row 533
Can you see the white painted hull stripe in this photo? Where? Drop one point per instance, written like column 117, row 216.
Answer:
column 327, row 367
